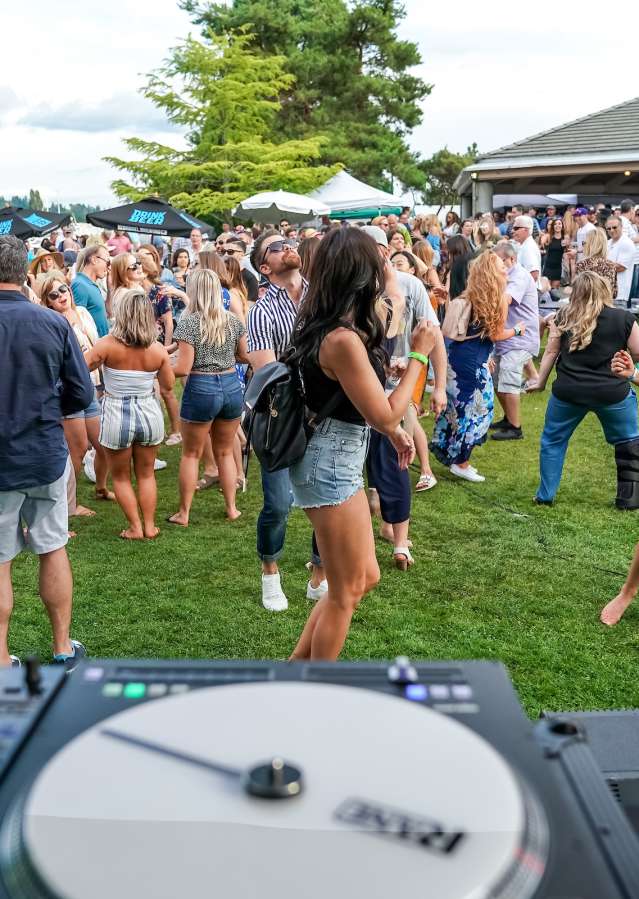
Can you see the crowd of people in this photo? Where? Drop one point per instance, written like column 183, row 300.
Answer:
column 393, row 320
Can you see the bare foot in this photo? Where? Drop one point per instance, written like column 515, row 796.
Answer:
column 151, row 533
column 613, row 612
column 178, row 518
column 83, row 512
column 233, row 514
column 104, row 493
column 130, row 534
column 72, row 534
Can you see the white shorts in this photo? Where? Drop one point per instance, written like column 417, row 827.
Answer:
column 35, row 517
column 130, row 419
column 509, row 371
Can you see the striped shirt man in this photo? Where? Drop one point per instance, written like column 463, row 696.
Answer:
column 270, row 321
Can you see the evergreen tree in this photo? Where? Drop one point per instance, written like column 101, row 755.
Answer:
column 352, row 77
column 441, row 170
column 35, row 200
column 225, row 92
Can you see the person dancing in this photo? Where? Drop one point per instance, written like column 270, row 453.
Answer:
column 337, row 338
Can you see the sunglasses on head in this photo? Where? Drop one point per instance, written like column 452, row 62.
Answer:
column 56, row 294
column 278, row 246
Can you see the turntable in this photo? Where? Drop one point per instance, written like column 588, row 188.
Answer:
column 168, row 779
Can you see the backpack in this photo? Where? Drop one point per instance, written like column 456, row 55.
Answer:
column 457, row 320
column 278, row 423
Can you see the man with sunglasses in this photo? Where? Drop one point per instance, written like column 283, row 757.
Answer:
column 270, row 326
column 85, row 289
column 528, row 253
column 621, row 251
column 235, row 248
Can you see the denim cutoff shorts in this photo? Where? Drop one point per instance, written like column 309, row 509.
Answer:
column 331, row 470
column 207, row 397
column 91, row 411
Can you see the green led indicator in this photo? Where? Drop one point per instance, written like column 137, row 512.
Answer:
column 112, row 690
column 134, row 691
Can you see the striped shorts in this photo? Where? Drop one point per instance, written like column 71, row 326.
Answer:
column 130, row 419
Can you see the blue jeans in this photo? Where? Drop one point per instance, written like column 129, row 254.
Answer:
column 618, row 420
column 272, row 520
column 207, row 397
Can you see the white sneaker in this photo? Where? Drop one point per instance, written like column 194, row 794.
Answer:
column 89, row 465
column 468, row 474
column 273, row 597
column 316, row 593
column 159, row 464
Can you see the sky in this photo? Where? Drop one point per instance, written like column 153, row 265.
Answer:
column 499, row 73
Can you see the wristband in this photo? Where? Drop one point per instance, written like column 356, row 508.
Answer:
column 517, row 331
column 419, row 356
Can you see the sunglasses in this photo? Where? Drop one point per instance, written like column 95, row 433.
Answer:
column 56, row 294
column 520, row 228
column 278, row 246
column 134, row 267
column 230, row 252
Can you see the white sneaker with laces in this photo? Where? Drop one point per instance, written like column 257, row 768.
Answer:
column 273, row 597
column 159, row 464
column 316, row 593
column 89, row 465
column 468, row 474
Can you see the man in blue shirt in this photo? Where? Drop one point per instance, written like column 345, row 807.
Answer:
column 86, row 292
column 44, row 376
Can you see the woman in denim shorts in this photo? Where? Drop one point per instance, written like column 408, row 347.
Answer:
column 338, row 341
column 81, row 429
column 210, row 341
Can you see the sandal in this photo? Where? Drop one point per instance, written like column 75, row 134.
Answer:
column 402, row 558
column 173, row 439
column 209, row 480
column 425, row 482
column 104, row 493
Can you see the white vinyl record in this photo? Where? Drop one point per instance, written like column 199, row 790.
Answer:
column 395, row 797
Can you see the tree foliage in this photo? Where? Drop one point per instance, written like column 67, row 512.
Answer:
column 441, row 170
column 226, row 93
column 352, row 77
column 77, row 210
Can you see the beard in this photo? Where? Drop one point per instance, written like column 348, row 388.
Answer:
column 291, row 261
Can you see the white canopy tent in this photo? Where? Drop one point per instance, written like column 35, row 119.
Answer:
column 273, row 205
column 349, row 198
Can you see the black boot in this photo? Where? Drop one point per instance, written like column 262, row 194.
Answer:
column 627, row 459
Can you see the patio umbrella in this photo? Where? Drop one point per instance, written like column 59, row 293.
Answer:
column 149, row 216
column 273, row 205
column 23, row 223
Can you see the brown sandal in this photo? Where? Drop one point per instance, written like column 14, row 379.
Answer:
column 104, row 493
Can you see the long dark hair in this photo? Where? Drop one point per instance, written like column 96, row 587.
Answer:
column 460, row 255
column 347, row 280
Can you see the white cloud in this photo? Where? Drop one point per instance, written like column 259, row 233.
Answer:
column 120, row 112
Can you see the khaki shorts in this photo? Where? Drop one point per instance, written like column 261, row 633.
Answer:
column 509, row 371
column 36, row 517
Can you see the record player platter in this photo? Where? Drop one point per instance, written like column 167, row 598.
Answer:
column 277, row 790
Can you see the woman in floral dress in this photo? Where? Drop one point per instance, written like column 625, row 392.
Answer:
column 464, row 423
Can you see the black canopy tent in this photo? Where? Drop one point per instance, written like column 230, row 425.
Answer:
column 148, row 216
column 23, row 223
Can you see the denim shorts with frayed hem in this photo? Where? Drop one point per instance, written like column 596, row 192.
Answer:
column 207, row 397
column 331, row 470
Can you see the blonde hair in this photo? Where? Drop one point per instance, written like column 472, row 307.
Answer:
column 53, row 276
column 596, row 244
column 590, row 294
column 134, row 320
column 205, row 300
column 423, row 250
column 479, row 239
column 486, row 290
column 119, row 267
column 570, row 225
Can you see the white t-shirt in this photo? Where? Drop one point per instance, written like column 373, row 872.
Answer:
column 418, row 307
column 629, row 230
column 582, row 234
column 529, row 257
column 622, row 252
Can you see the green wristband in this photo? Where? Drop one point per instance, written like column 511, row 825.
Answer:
column 419, row 356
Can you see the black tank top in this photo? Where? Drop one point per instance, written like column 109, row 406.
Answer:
column 319, row 389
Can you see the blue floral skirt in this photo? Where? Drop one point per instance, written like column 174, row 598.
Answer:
column 464, row 423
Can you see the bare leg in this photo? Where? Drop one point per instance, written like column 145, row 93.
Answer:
column 613, row 612
column 143, row 461
column 223, row 433
column 345, row 540
column 172, row 408
column 75, row 434
column 71, row 490
column 56, row 592
column 530, row 371
column 120, row 466
column 510, row 404
column 210, row 465
column 195, row 437
column 100, row 462
column 6, row 607
column 237, row 456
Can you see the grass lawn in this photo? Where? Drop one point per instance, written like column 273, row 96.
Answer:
column 495, row 577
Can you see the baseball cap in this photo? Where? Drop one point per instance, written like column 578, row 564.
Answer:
column 523, row 221
column 378, row 234
column 581, row 210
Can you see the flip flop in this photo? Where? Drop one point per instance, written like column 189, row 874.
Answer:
column 209, row 480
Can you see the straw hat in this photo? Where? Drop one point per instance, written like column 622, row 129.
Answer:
column 39, row 256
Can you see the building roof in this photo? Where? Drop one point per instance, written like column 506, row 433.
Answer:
column 612, row 130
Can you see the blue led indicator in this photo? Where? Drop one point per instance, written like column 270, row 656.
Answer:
column 416, row 692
